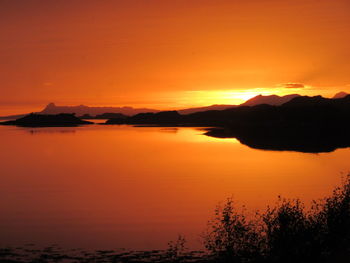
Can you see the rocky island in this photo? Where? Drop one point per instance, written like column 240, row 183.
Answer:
column 43, row 120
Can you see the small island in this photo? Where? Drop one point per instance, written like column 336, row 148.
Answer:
column 43, row 120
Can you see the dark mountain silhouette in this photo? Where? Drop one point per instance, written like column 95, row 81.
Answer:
column 95, row 112
column 340, row 95
column 305, row 124
column 86, row 112
column 51, row 108
column 300, row 110
column 270, row 100
column 308, row 124
column 110, row 115
column 212, row 107
column 163, row 117
column 86, row 116
column 41, row 120
column 104, row 116
column 91, row 112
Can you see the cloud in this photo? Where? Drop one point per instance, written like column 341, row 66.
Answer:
column 292, row 85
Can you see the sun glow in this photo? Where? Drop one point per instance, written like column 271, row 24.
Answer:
column 232, row 97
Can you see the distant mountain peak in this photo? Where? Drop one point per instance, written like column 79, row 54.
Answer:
column 274, row 100
column 50, row 105
column 81, row 110
column 340, row 95
column 206, row 108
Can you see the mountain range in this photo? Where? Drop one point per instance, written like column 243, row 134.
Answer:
column 273, row 100
column 340, row 95
column 300, row 109
column 82, row 109
column 91, row 112
column 306, row 124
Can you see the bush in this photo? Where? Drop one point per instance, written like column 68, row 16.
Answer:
column 285, row 233
column 176, row 249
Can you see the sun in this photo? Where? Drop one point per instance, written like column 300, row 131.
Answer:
column 229, row 97
column 244, row 95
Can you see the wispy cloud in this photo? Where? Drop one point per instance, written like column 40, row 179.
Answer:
column 292, row 85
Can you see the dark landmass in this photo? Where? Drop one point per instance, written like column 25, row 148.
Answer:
column 270, row 100
column 302, row 123
column 92, row 112
column 82, row 109
column 163, row 117
column 340, row 95
column 212, row 107
column 307, row 140
column 257, row 100
column 104, row 116
column 40, row 120
column 302, row 111
column 307, row 124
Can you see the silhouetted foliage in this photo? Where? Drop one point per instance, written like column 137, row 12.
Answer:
column 285, row 233
column 176, row 249
column 231, row 237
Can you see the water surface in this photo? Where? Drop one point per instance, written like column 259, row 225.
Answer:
column 130, row 187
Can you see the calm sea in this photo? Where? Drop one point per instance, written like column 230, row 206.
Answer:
column 138, row 188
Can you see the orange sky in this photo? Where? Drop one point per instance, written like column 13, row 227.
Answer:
column 169, row 53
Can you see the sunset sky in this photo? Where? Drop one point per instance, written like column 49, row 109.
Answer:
column 169, row 54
